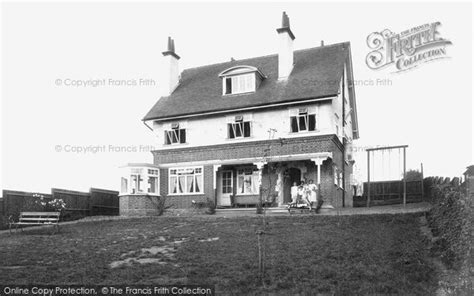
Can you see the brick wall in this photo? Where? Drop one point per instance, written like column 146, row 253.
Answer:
column 185, row 201
column 137, row 205
column 238, row 150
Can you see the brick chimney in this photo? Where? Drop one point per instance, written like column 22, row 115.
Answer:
column 285, row 51
column 173, row 68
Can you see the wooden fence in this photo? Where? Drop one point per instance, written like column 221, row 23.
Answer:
column 390, row 192
column 78, row 204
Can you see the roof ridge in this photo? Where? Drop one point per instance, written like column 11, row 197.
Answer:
column 324, row 46
column 220, row 63
column 266, row 56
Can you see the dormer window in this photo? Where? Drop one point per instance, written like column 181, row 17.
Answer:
column 240, row 79
column 239, row 84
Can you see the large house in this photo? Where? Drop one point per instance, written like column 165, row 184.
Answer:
column 231, row 131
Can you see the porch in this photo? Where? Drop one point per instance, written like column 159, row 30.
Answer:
column 240, row 184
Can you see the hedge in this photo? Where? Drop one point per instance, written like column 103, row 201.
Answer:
column 450, row 220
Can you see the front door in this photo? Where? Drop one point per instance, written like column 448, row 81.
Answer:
column 292, row 175
column 225, row 188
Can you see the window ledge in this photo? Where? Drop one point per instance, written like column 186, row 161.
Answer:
column 175, row 145
column 139, row 194
column 304, row 132
column 238, row 94
column 240, row 139
column 185, row 194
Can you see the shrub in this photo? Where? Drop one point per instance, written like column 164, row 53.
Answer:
column 159, row 202
column 49, row 204
column 211, row 207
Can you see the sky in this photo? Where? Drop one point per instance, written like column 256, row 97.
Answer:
column 77, row 78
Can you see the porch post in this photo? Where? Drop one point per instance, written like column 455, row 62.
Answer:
column 318, row 162
column 260, row 171
column 279, row 185
column 214, row 181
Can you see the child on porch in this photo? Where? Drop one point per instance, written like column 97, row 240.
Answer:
column 294, row 193
column 303, row 194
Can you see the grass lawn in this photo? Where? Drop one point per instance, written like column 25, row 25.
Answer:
column 304, row 254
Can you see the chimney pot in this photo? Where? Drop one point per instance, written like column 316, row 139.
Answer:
column 173, row 67
column 285, row 51
column 322, row 42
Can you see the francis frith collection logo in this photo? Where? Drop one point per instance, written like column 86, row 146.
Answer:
column 406, row 50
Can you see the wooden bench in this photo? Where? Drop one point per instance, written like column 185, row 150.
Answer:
column 36, row 218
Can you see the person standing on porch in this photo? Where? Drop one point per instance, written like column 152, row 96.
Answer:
column 303, row 193
column 300, row 192
column 294, row 193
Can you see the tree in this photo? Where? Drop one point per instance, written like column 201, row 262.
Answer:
column 413, row 175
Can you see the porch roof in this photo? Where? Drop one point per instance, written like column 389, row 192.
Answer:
column 317, row 157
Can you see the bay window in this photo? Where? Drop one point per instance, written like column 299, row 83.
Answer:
column 140, row 179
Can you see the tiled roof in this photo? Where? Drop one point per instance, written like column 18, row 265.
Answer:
column 316, row 74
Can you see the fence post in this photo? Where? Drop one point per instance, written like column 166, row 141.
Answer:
column 404, row 176
column 368, row 178
column 422, row 184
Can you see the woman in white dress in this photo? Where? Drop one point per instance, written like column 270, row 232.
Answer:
column 313, row 188
column 294, row 193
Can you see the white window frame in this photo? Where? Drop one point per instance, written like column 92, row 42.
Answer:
column 239, row 173
column 143, row 176
column 231, row 186
column 242, row 83
column 153, row 173
column 304, row 115
column 176, row 175
column 337, row 177
column 177, row 134
column 241, row 125
column 139, row 184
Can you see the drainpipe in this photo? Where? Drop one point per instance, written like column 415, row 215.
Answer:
column 343, row 140
column 144, row 122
